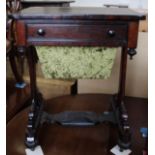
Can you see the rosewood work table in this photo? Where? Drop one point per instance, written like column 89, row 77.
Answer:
column 75, row 26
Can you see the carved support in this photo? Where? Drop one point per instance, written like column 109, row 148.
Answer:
column 36, row 101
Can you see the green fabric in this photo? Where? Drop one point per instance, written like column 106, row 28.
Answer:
column 76, row 62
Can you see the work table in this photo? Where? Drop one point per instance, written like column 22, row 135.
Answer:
column 75, row 26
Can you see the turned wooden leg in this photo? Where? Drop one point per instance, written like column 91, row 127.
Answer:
column 21, row 59
column 122, row 78
column 36, row 101
column 12, row 53
column 18, row 77
column 123, row 125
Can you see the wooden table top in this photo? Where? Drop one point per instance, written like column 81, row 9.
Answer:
column 46, row 2
column 54, row 1
column 79, row 13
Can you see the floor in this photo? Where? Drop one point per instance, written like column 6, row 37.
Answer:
column 58, row 140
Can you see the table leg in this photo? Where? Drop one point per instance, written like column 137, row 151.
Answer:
column 36, row 101
column 122, row 78
column 123, row 125
column 13, row 65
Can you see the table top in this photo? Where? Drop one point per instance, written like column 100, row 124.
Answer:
column 47, row 1
column 56, row 1
column 95, row 13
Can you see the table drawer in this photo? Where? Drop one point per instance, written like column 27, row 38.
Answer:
column 74, row 34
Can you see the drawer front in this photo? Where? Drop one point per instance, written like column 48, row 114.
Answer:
column 74, row 34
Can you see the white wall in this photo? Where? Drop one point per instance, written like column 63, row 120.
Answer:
column 131, row 3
